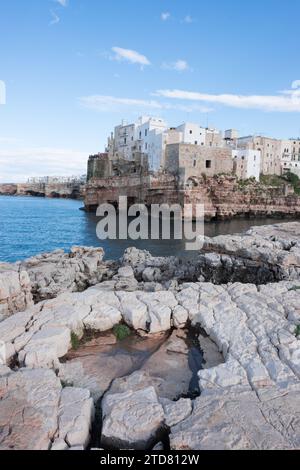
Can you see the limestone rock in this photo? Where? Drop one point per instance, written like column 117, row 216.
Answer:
column 132, row 419
column 180, row 316
column 15, row 290
column 103, row 317
column 75, row 414
column 134, row 312
column 28, row 409
column 176, row 411
column 232, row 421
column 56, row 272
column 46, row 347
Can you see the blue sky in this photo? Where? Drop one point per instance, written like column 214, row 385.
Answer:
column 75, row 68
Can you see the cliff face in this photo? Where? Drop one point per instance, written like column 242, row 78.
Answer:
column 224, row 197
column 58, row 190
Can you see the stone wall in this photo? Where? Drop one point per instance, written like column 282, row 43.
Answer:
column 194, row 161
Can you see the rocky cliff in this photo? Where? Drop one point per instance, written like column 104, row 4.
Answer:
column 224, row 197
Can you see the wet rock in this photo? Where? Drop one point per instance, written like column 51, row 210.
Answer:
column 131, row 419
column 170, row 366
column 159, row 446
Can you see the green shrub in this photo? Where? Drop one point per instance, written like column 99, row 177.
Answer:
column 295, row 288
column 297, row 331
column 121, row 332
column 75, row 342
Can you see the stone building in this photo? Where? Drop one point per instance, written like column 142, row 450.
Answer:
column 187, row 160
column 103, row 165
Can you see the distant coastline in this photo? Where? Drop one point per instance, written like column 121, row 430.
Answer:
column 67, row 190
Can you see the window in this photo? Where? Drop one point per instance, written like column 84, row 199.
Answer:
column 191, row 131
column 125, row 140
column 196, row 142
column 208, row 164
column 146, row 146
column 140, row 134
column 146, row 132
column 194, row 162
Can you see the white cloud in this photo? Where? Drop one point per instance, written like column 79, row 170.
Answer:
column 296, row 84
column 130, row 55
column 188, row 19
column 287, row 101
column 63, row 3
column 105, row 103
column 112, row 103
column 55, row 18
column 165, row 16
column 17, row 164
column 180, row 65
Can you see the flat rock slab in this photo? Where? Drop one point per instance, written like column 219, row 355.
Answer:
column 132, row 419
column 239, row 421
column 35, row 411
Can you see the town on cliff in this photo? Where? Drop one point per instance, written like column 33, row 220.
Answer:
column 149, row 162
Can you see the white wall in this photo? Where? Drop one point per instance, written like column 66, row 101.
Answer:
column 292, row 166
column 149, row 140
column 251, row 162
column 192, row 133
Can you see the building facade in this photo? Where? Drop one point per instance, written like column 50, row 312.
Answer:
column 192, row 133
column 246, row 163
column 190, row 160
column 151, row 136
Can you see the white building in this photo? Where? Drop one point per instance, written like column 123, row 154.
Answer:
column 246, row 163
column 291, row 167
column 192, row 133
column 148, row 135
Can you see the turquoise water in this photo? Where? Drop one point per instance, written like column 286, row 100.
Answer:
column 30, row 225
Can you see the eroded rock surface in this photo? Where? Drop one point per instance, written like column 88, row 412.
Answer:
column 249, row 401
column 15, row 290
column 132, row 419
column 35, row 411
column 57, row 272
